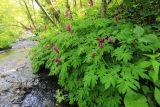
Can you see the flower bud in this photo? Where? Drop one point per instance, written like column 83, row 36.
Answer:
column 101, row 39
column 91, row 3
column 55, row 49
column 67, row 12
column 100, row 45
column 58, row 60
column 68, row 28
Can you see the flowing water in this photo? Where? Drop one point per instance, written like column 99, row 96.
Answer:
column 19, row 87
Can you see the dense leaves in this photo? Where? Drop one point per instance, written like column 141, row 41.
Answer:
column 104, row 62
column 108, row 73
column 135, row 100
column 141, row 11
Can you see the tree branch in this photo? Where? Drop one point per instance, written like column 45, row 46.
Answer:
column 104, row 4
column 45, row 12
column 30, row 16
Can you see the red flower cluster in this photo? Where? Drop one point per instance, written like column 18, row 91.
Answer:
column 67, row 12
column 57, row 60
column 91, row 3
column 68, row 28
column 101, row 40
column 55, row 48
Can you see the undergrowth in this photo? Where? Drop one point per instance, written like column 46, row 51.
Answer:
column 103, row 62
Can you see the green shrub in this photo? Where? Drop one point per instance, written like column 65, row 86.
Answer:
column 5, row 40
column 103, row 63
column 8, row 35
column 140, row 11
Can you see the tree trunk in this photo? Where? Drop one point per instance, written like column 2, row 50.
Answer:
column 33, row 8
column 68, row 7
column 104, row 6
column 80, row 3
column 67, row 4
column 53, row 11
column 75, row 3
column 29, row 14
column 45, row 12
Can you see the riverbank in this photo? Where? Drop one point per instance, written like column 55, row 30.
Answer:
column 19, row 87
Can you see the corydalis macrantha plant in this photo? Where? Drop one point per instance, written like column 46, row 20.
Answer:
column 58, row 60
column 100, row 40
column 68, row 28
column 91, row 3
column 55, row 48
column 67, row 12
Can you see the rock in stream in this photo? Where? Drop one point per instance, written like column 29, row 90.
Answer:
column 19, row 87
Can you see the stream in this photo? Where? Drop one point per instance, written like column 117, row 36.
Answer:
column 19, row 87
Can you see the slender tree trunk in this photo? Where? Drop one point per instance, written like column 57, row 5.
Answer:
column 22, row 4
column 104, row 6
column 33, row 8
column 80, row 3
column 29, row 14
column 45, row 12
column 75, row 3
column 67, row 4
column 54, row 11
column 68, row 7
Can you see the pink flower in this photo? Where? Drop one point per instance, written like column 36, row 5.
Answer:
column 91, row 3
column 110, row 39
column 68, row 28
column 58, row 60
column 100, row 45
column 55, row 48
column 101, row 39
column 67, row 12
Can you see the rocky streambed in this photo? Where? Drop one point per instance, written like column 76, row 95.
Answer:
column 19, row 87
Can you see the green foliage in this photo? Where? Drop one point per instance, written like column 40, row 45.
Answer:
column 5, row 39
column 157, row 95
column 59, row 96
column 140, row 11
column 135, row 100
column 11, row 14
column 123, row 72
